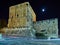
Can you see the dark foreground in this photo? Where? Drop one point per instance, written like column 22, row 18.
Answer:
column 28, row 41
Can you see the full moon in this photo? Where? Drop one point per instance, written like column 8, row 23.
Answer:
column 43, row 10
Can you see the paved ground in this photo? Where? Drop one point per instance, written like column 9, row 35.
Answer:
column 28, row 41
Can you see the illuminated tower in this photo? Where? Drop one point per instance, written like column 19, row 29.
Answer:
column 20, row 22
column 21, row 15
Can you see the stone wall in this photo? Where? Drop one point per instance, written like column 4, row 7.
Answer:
column 48, row 27
column 19, row 32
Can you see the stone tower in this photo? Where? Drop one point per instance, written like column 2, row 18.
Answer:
column 20, row 22
column 21, row 15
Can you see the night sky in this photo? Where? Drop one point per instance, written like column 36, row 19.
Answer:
column 52, row 8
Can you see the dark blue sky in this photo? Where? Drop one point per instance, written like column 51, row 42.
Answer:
column 52, row 8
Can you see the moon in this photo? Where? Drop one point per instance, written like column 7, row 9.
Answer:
column 43, row 10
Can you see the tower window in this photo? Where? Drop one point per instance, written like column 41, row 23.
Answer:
column 27, row 4
column 17, row 15
column 12, row 16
